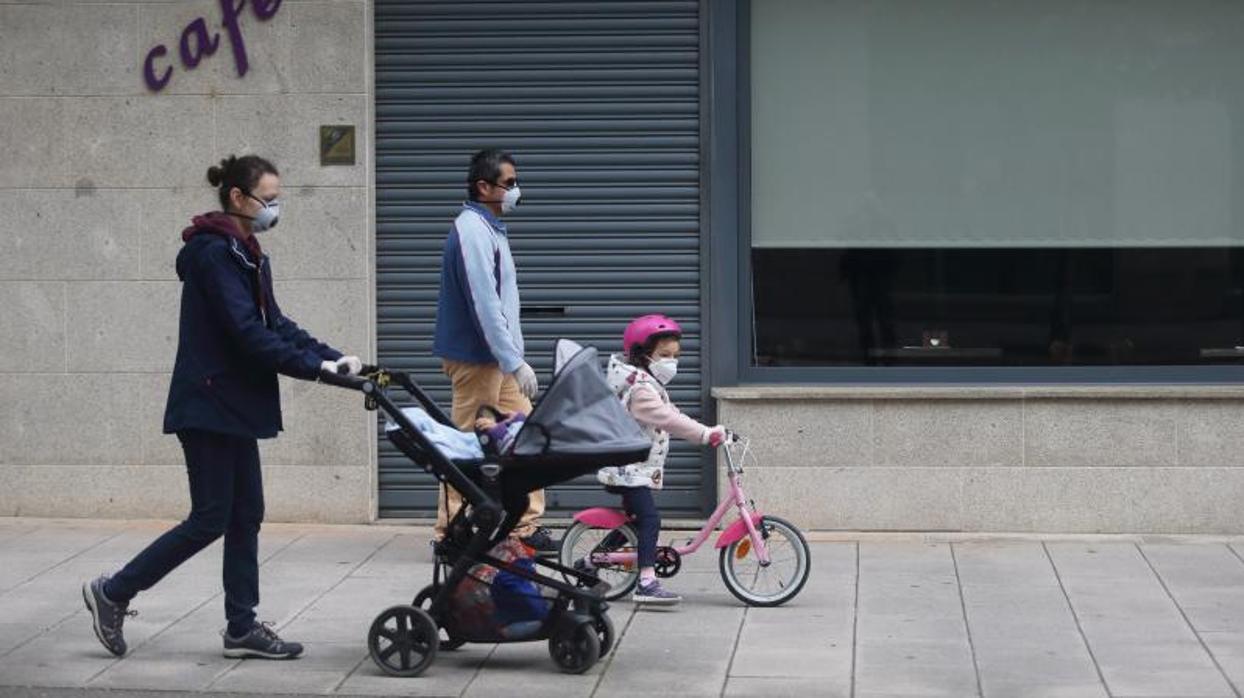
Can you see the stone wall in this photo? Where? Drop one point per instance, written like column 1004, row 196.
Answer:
column 1088, row 459
column 98, row 175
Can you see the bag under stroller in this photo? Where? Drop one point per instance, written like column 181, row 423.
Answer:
column 486, row 587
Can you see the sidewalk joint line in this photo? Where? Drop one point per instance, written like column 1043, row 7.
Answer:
column 64, row 619
column 967, row 627
column 617, row 642
column 63, row 562
column 238, row 662
column 855, row 617
column 1234, row 552
column 1076, row 617
column 1187, row 620
column 734, row 651
column 479, row 669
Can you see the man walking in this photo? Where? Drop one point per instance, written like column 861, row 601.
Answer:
column 478, row 333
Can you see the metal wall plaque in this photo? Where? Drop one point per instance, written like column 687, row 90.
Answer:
column 336, row 145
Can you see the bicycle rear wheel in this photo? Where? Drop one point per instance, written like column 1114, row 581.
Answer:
column 581, row 540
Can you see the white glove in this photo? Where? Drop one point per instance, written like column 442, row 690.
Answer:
column 715, row 436
column 527, row 381
column 328, row 367
column 352, row 363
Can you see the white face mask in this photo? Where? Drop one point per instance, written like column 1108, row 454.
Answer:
column 663, row 370
column 510, row 200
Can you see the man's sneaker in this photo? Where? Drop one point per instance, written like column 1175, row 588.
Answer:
column 261, row 642
column 542, row 541
column 108, row 617
column 653, row 594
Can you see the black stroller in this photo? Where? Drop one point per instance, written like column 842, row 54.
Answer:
column 577, row 426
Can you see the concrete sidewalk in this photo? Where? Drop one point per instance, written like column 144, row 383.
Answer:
column 882, row 615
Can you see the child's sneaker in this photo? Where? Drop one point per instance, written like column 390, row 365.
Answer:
column 651, row 593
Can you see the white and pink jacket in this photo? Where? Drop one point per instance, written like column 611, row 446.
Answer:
column 649, row 403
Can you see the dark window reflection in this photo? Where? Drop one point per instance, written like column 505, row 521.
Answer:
column 1000, row 307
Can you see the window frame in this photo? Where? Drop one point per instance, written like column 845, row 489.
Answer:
column 727, row 213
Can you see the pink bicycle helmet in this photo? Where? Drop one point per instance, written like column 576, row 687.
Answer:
column 643, row 328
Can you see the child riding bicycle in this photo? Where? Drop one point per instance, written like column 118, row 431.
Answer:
column 651, row 347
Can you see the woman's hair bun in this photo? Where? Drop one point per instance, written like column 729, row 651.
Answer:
column 216, row 175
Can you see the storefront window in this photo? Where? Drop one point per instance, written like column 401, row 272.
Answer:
column 968, row 182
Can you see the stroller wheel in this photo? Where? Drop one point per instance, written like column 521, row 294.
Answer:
column 423, row 600
column 604, row 633
column 575, row 647
column 403, row 641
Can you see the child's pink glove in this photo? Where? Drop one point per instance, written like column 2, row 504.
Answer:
column 715, row 436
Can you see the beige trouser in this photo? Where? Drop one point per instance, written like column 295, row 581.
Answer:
column 476, row 385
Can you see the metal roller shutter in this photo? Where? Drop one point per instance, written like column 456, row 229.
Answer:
column 599, row 102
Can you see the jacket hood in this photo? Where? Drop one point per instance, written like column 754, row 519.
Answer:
column 215, row 223
column 621, row 374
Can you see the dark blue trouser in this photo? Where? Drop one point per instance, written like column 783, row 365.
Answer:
column 640, row 505
column 226, row 498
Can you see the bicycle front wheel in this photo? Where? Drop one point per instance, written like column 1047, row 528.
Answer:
column 790, row 561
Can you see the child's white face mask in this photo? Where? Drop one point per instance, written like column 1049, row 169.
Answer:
column 663, row 370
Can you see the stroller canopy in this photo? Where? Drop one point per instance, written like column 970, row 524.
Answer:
column 579, row 419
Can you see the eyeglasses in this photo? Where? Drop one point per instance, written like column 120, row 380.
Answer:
column 507, row 184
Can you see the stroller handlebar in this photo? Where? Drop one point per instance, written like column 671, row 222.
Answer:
column 342, row 380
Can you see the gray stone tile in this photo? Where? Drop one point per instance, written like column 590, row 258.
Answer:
column 1140, row 640
column 323, row 426
column 827, row 498
column 932, row 667
column 296, row 493
column 525, row 669
column 137, row 141
column 35, row 156
column 449, row 675
column 335, row 312
column 1104, row 500
column 1101, row 433
column 1209, row 433
column 158, row 448
column 165, row 213
column 66, row 234
column 322, row 235
column 327, row 47
column 770, row 687
column 126, row 326
column 100, row 490
column 911, row 638
column 1024, row 634
column 243, row 124
column 319, row 670
column 780, row 431
column 1228, row 650
column 161, row 667
column 68, row 50
column 948, row 433
column 1207, row 581
column 33, row 315
column 101, row 415
column 66, row 656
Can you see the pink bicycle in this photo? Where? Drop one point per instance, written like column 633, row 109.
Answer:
column 764, row 560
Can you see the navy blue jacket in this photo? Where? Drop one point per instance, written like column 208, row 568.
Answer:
column 229, row 350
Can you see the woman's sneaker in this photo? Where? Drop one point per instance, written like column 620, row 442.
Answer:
column 261, row 642
column 108, row 617
column 653, row 594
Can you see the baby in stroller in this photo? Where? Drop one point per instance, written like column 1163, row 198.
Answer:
column 577, row 427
